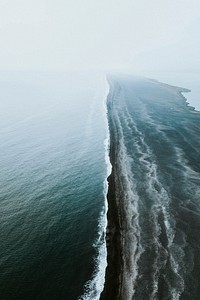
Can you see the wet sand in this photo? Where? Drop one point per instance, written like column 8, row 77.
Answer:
column 114, row 270
column 114, row 287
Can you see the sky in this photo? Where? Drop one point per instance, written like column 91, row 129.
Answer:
column 79, row 34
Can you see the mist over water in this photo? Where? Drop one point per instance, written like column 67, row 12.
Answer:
column 187, row 79
column 54, row 145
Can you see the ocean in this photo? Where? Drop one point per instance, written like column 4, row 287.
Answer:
column 53, row 170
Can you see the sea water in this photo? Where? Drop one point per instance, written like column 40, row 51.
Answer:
column 53, row 169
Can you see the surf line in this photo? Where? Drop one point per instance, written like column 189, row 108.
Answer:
column 94, row 287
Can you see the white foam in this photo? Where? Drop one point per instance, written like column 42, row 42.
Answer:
column 162, row 201
column 94, row 287
column 132, row 237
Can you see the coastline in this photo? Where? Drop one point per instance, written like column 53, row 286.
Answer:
column 114, row 239
column 188, row 79
column 113, row 233
column 94, row 287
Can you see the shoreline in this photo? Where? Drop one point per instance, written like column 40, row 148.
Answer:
column 113, row 238
column 94, row 287
column 114, row 243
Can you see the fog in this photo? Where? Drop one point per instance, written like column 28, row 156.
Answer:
column 106, row 34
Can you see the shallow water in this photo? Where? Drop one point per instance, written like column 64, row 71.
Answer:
column 158, row 140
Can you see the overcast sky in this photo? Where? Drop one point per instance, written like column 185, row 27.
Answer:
column 63, row 34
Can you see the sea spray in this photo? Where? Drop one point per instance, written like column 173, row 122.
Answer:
column 94, row 287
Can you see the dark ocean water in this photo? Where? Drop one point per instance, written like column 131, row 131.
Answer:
column 53, row 166
column 157, row 141
column 52, row 185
